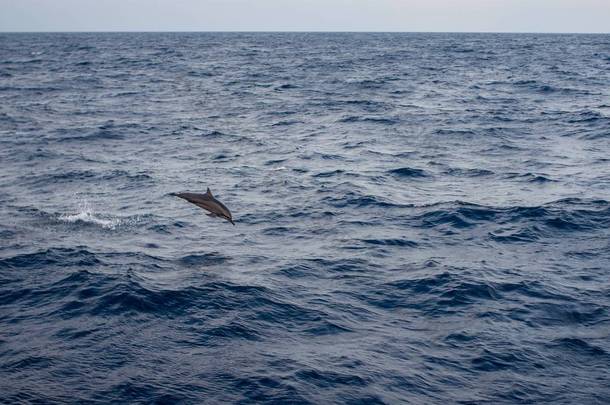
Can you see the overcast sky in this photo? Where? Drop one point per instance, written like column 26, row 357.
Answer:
column 306, row 15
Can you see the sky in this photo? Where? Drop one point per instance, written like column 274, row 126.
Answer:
column 307, row 15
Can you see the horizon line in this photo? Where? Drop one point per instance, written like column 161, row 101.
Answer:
column 300, row 32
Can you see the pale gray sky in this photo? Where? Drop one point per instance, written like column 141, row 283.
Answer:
column 306, row 15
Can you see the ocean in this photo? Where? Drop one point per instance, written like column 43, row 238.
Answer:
column 420, row 218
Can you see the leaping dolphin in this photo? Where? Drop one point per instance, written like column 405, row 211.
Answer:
column 208, row 203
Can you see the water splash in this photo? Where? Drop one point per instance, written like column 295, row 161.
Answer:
column 87, row 215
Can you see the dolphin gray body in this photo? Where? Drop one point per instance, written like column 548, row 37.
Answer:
column 208, row 203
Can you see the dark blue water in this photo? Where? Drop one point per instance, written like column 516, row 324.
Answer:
column 420, row 218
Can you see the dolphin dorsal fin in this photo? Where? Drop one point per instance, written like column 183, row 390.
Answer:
column 209, row 192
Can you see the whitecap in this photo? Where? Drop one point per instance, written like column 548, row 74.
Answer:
column 87, row 215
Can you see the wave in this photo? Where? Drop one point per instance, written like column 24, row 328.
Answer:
column 580, row 347
column 434, row 294
column 96, row 294
column 325, row 268
column 528, row 223
column 374, row 120
column 455, row 132
column 286, row 123
column 544, row 88
column 329, row 174
column 450, row 290
column 525, row 234
column 360, row 200
column 78, row 256
column 206, row 259
column 588, row 117
column 286, row 86
column 130, row 179
column 391, row 242
column 102, row 134
column 530, row 177
column 455, row 171
column 408, row 172
column 370, row 83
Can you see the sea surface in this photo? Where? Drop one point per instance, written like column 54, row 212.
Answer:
column 420, row 218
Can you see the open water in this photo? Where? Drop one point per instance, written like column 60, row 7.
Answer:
column 420, row 218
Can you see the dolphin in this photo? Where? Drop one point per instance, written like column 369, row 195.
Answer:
column 208, row 203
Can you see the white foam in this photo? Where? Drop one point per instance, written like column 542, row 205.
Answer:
column 91, row 218
column 87, row 215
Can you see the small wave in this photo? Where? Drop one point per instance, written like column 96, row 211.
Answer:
column 286, row 86
column 286, row 123
column 382, row 120
column 327, row 328
column 214, row 134
column 391, row 242
column 368, row 83
column 101, row 134
column 206, row 259
column 543, row 88
column 468, row 172
column 374, row 120
column 496, row 361
column 85, row 292
column 526, row 235
column 409, row 172
column 130, row 179
column 588, row 116
column 31, row 363
column 200, row 73
column 574, row 215
column 593, row 135
column 353, row 199
column 321, row 378
column 278, row 231
column 530, row 177
column 329, row 174
column 457, row 218
column 274, row 162
column 460, row 50
column 324, row 156
column 435, row 294
column 350, row 118
column 454, row 132
column 221, row 157
column 325, row 268
column 566, row 313
column 579, row 346
column 77, row 256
